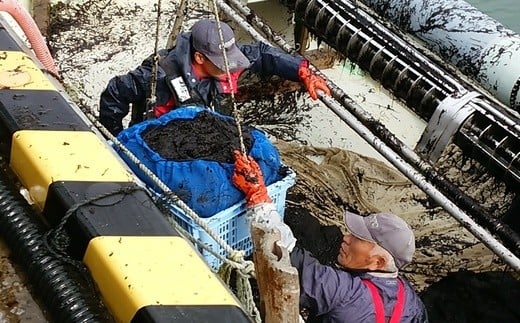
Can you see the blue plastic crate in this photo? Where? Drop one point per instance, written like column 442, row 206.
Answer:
column 231, row 224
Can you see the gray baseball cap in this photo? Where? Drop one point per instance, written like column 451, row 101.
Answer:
column 206, row 40
column 387, row 230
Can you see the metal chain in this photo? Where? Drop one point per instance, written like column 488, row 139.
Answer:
column 182, row 11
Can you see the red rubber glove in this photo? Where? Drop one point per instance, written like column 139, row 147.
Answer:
column 248, row 178
column 312, row 81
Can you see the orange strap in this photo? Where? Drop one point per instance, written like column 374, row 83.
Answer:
column 378, row 302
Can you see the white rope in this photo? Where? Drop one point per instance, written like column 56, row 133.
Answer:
column 245, row 269
column 235, row 260
column 243, row 286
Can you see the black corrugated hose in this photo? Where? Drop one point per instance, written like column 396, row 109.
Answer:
column 60, row 287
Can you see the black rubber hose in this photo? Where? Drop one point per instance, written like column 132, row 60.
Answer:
column 60, row 287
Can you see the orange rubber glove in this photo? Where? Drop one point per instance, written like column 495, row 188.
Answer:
column 248, row 178
column 312, row 81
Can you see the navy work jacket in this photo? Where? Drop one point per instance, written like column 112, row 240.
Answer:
column 134, row 87
column 334, row 295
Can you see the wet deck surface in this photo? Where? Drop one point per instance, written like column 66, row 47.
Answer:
column 16, row 302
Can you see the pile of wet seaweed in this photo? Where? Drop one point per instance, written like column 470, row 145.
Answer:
column 466, row 296
column 207, row 136
column 458, row 281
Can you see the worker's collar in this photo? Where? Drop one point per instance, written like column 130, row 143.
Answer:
column 382, row 274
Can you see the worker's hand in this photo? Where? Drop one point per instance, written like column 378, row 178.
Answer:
column 248, row 178
column 312, row 81
column 266, row 216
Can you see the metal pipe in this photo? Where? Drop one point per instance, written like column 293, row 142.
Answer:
column 508, row 235
column 419, row 180
column 484, row 106
column 353, row 33
column 230, row 12
column 478, row 45
column 501, row 115
column 265, row 28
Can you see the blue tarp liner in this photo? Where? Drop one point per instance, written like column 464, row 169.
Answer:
column 205, row 186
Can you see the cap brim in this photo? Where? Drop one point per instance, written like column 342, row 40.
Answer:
column 356, row 226
column 236, row 60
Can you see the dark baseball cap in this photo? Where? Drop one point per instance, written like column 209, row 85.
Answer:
column 387, row 230
column 206, row 40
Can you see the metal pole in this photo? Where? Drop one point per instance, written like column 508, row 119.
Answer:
column 180, row 13
column 231, row 12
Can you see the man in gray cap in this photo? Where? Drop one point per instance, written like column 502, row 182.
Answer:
column 365, row 286
column 195, row 72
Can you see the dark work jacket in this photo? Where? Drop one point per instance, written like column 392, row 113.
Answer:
column 334, row 295
column 134, row 87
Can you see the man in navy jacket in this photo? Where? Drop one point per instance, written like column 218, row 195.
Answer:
column 365, row 287
column 194, row 72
